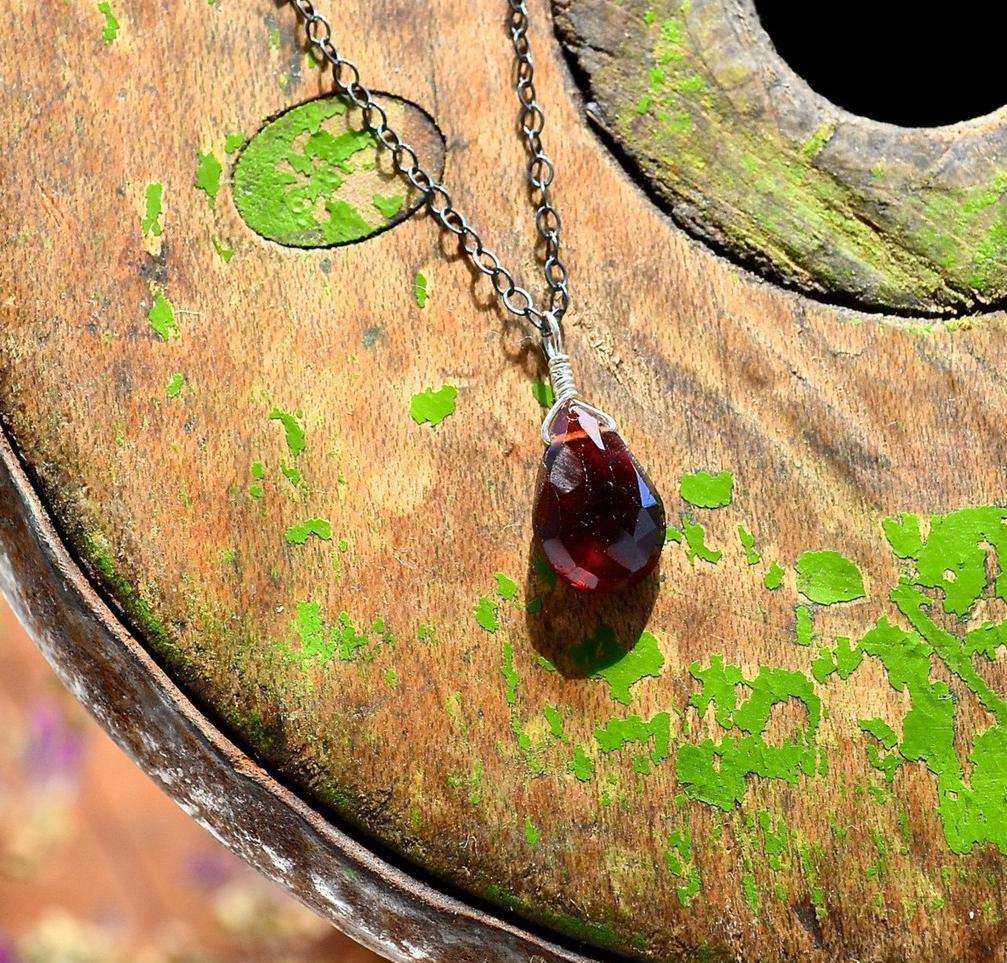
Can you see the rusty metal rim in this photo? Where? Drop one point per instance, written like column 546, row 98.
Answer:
column 442, row 926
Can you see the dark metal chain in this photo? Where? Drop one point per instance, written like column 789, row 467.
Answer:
column 541, row 171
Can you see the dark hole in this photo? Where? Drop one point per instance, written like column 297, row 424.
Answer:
column 893, row 60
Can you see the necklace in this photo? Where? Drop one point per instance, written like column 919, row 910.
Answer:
column 598, row 518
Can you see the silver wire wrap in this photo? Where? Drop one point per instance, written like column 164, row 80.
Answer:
column 564, row 387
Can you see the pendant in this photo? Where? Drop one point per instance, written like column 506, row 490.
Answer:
column 598, row 518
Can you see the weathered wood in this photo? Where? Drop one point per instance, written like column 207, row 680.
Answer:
column 713, row 792
column 748, row 157
column 213, row 780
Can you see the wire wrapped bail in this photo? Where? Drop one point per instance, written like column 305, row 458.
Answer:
column 564, row 387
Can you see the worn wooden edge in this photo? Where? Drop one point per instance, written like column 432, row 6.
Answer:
column 377, row 903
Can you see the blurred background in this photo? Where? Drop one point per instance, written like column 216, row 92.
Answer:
column 97, row 865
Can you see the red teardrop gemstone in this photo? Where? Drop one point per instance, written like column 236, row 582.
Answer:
column 598, row 518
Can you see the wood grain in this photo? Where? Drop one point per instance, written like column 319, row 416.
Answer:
column 430, row 736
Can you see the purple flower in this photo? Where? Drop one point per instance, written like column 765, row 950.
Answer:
column 54, row 749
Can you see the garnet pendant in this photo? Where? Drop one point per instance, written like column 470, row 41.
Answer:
column 598, row 518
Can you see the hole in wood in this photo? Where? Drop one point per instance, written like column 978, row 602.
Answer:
column 895, row 62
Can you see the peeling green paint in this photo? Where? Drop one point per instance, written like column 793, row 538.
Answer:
column 293, row 429
column 828, row 577
column 581, row 764
column 542, row 392
column 695, row 542
column 175, row 385
column 431, row 406
column 320, row 643
column 110, row 30
column 299, row 180
column 618, row 733
column 507, row 588
column 555, row 720
column 601, row 657
column 208, row 171
column 319, row 528
column 706, row 490
column 389, row 206
column 747, row 539
column 773, row 578
column 804, row 629
column 162, row 316
column 486, row 614
column 718, row 772
column 223, row 252
column 234, row 142
column 679, row 862
column 421, row 289
column 150, row 223
column 532, row 836
column 510, row 674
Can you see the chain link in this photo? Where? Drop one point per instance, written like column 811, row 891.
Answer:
column 540, row 169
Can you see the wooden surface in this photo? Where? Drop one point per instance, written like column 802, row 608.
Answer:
column 420, row 719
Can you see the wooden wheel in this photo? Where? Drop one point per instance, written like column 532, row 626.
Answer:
column 270, row 453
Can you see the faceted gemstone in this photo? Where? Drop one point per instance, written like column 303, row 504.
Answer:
column 597, row 516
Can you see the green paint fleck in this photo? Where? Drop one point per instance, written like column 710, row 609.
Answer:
column 175, row 385
column 618, row 733
column 234, row 142
column 288, row 177
column 805, row 625
column 903, row 534
column 828, row 577
column 543, row 663
column 292, row 428
column 111, row 28
column 773, row 578
column 291, row 473
column 678, row 860
column 151, row 224
column 421, row 290
column 388, row 207
column 555, row 720
column 258, row 472
column 695, row 541
column 510, row 674
column 717, row 773
column 532, row 836
column 391, row 677
column 542, row 392
column 120, row 432
column 223, row 252
column 317, row 527
column 208, row 171
column 320, row 643
column 751, row 891
column 162, row 316
column 581, row 765
column 507, row 588
column 747, row 539
column 486, row 614
column 601, row 657
column 706, row 490
column 672, row 534
column 433, row 406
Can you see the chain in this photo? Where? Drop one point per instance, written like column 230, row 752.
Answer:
column 438, row 200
